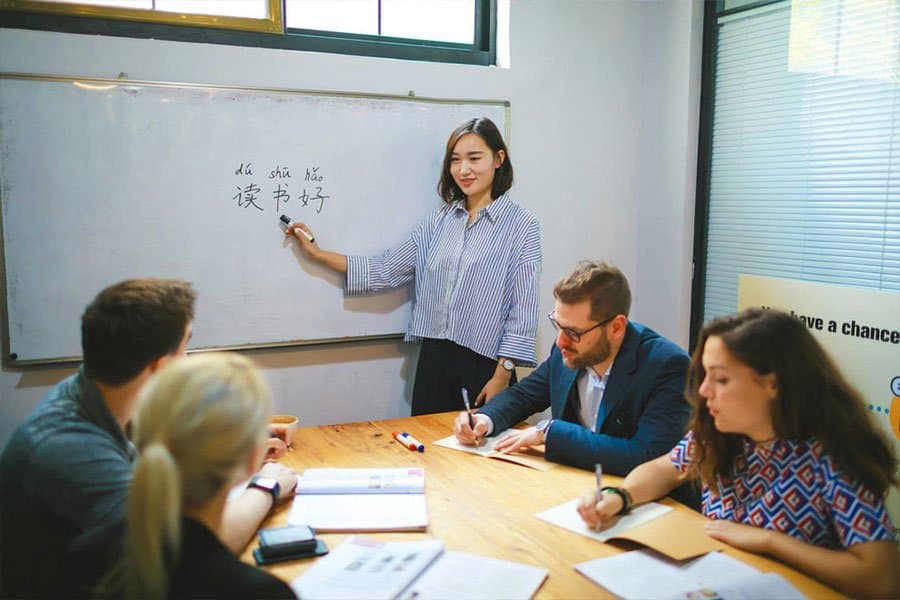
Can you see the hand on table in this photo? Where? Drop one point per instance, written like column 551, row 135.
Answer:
column 519, row 440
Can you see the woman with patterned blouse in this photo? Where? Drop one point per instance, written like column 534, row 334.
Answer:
column 789, row 461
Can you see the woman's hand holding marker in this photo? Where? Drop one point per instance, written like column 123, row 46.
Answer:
column 298, row 230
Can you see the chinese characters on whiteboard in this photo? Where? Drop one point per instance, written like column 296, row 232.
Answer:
column 278, row 189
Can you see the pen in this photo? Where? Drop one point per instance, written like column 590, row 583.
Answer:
column 598, row 474
column 287, row 221
column 465, row 396
column 409, row 441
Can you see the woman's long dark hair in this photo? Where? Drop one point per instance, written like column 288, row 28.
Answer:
column 814, row 400
column 503, row 176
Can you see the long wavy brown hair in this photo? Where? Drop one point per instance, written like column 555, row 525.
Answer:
column 814, row 400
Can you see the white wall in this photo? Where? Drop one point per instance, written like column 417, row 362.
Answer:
column 604, row 116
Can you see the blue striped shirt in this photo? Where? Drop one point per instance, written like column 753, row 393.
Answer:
column 474, row 285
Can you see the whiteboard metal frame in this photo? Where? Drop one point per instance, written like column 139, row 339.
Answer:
column 8, row 362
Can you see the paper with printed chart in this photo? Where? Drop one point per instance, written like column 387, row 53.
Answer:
column 364, row 568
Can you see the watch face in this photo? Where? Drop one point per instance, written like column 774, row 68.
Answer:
column 509, row 365
column 265, row 482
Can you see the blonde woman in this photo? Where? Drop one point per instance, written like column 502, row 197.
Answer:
column 200, row 429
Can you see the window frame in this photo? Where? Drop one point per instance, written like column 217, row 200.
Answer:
column 240, row 31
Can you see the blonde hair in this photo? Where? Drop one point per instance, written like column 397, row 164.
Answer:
column 197, row 421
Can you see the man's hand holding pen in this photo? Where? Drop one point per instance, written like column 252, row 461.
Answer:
column 470, row 428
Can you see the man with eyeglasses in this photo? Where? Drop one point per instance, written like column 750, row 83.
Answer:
column 615, row 388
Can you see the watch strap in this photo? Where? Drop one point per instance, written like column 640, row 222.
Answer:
column 266, row 484
column 625, row 495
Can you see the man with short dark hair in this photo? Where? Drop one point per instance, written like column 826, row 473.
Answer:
column 615, row 388
column 67, row 467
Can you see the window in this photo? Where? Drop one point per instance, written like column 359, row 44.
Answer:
column 800, row 149
column 461, row 31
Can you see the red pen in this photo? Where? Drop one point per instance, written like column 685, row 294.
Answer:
column 409, row 441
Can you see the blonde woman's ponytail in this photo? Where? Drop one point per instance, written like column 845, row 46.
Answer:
column 154, row 523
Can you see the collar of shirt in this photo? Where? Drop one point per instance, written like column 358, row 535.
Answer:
column 95, row 406
column 494, row 211
column 591, row 389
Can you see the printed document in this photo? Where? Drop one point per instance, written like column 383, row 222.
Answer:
column 363, row 568
column 361, row 500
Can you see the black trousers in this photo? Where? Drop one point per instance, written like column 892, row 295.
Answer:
column 444, row 369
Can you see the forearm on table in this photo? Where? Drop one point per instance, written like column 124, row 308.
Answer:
column 868, row 569
column 242, row 518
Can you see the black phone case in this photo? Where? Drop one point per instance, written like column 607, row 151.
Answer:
column 290, row 547
column 320, row 549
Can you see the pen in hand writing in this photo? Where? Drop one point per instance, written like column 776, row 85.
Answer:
column 598, row 475
column 465, row 397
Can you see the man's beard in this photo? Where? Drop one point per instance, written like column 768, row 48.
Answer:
column 593, row 355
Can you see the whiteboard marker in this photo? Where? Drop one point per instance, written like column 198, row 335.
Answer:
column 287, row 221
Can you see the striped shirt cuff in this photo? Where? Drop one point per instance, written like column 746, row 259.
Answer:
column 520, row 348
column 357, row 274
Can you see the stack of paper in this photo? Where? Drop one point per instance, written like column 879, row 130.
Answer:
column 645, row 574
column 361, row 500
column 365, row 568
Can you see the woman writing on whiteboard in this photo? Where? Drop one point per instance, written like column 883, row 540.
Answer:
column 474, row 264
column 789, row 461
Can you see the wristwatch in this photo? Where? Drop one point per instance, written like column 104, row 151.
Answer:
column 267, row 484
column 507, row 364
column 543, row 426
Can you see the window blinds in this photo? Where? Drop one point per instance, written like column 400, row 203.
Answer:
column 805, row 163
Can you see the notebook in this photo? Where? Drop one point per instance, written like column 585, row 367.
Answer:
column 389, row 499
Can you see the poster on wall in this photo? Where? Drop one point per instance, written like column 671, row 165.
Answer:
column 860, row 330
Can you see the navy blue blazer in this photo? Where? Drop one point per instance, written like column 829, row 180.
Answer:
column 642, row 416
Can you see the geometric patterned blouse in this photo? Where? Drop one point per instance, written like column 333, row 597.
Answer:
column 797, row 489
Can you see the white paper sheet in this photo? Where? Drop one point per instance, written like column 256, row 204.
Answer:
column 566, row 516
column 360, row 512
column 484, row 449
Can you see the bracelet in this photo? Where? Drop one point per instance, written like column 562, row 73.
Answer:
column 625, row 495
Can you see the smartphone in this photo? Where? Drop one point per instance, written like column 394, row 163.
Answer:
column 292, row 539
column 319, row 549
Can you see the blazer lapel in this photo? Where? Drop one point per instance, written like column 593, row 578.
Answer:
column 621, row 376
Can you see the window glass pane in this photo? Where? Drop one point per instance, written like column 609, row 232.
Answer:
column 253, row 9
column 805, row 166
column 441, row 20
column 347, row 16
column 140, row 4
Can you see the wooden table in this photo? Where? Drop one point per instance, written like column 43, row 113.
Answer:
column 479, row 505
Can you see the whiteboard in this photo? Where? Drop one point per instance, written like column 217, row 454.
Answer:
column 106, row 180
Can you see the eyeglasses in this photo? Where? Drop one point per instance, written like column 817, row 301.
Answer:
column 573, row 335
